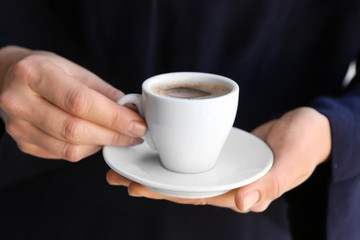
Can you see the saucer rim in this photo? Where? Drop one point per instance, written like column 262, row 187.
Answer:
column 197, row 189
column 188, row 195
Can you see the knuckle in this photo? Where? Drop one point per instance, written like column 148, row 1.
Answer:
column 279, row 186
column 24, row 69
column 119, row 139
column 12, row 129
column 117, row 121
column 78, row 103
column 26, row 148
column 27, row 69
column 9, row 103
column 133, row 190
column 6, row 102
column 73, row 129
column 72, row 152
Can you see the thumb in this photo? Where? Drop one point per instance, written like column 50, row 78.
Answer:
column 285, row 174
column 257, row 196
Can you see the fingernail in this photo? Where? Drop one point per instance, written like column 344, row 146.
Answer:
column 250, row 199
column 135, row 141
column 137, row 128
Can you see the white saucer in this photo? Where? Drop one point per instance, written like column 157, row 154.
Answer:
column 244, row 159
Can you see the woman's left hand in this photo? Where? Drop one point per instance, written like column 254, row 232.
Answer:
column 300, row 140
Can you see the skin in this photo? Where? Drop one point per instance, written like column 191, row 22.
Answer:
column 300, row 140
column 53, row 108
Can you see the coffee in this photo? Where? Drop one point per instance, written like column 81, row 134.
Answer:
column 191, row 90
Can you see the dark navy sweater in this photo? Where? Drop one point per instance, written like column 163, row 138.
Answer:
column 283, row 54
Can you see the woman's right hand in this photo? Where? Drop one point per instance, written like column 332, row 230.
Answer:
column 53, row 108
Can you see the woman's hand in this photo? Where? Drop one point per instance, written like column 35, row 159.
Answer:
column 54, row 108
column 300, row 140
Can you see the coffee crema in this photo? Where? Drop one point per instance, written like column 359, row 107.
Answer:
column 191, row 90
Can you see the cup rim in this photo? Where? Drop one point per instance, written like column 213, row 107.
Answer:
column 172, row 77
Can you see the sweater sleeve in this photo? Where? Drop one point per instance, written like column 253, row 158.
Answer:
column 344, row 115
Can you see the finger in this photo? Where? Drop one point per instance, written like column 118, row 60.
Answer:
column 90, row 79
column 99, row 85
column 226, row 200
column 137, row 190
column 35, row 150
column 87, row 77
column 76, row 98
column 283, row 176
column 24, row 132
column 63, row 126
column 258, row 195
column 116, row 179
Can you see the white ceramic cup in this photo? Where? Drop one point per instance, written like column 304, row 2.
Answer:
column 187, row 133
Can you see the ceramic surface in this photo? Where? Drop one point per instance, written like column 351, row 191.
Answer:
column 243, row 159
column 187, row 133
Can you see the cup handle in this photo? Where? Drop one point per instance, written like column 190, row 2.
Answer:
column 136, row 99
